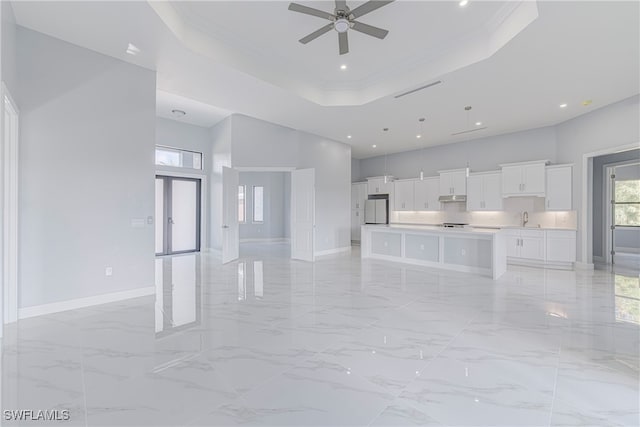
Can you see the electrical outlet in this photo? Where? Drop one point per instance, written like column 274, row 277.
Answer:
column 422, row 247
column 108, row 271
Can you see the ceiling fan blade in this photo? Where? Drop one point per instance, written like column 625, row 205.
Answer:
column 369, row 30
column 341, row 4
column 343, row 43
column 311, row 11
column 316, row 34
column 369, row 6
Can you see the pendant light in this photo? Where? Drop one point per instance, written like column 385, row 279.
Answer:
column 386, row 176
column 421, row 121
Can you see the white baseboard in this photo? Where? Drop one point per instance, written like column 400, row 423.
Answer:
column 333, row 251
column 56, row 307
column 266, row 240
column 583, row 265
column 627, row 250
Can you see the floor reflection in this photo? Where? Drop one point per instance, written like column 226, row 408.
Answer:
column 178, row 293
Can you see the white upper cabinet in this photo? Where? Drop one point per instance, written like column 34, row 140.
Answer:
column 492, row 187
column 453, row 182
column 559, row 188
column 524, row 179
column 358, row 195
column 403, row 195
column 377, row 186
column 484, row 192
column 426, row 193
column 475, row 195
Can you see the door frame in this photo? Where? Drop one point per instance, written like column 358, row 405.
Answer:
column 287, row 169
column 203, row 203
column 10, row 214
column 608, row 207
column 585, row 219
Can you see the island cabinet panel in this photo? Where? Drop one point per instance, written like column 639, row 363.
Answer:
column 389, row 244
column 425, row 248
column 468, row 252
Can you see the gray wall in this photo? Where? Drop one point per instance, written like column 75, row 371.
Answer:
column 599, row 203
column 480, row 154
column 276, row 202
column 257, row 143
column 86, row 170
column 612, row 126
column 355, row 170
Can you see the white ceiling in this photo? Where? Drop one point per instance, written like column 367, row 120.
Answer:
column 571, row 52
column 200, row 114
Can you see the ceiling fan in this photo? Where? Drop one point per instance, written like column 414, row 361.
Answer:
column 342, row 20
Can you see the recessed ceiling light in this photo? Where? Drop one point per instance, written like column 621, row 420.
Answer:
column 178, row 113
column 374, row 145
column 418, row 136
column 132, row 49
column 463, row 3
column 349, row 136
column 478, row 123
column 563, row 105
column 587, row 102
column 343, row 67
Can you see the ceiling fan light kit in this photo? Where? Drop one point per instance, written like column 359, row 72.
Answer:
column 342, row 20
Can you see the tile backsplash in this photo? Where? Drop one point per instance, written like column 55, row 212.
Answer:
column 510, row 216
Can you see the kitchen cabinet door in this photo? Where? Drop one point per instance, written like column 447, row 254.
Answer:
column 492, row 192
column 512, row 237
column 558, row 193
column 403, row 195
column 459, row 182
column 375, row 186
column 426, row 195
column 445, row 184
column 561, row 246
column 533, row 179
column 511, row 180
column 475, row 196
column 357, row 220
column 532, row 246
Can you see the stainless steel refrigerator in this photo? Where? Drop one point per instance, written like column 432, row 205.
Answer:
column 375, row 211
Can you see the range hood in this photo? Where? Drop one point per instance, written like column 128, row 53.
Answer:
column 452, row 198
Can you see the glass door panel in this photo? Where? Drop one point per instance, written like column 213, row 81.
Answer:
column 177, row 215
column 184, row 215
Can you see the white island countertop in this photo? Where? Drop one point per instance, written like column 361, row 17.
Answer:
column 437, row 228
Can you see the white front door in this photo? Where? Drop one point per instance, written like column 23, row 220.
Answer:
column 302, row 214
column 230, row 227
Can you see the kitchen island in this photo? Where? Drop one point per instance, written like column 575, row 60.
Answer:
column 469, row 250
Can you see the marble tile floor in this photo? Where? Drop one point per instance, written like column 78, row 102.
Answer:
column 342, row 341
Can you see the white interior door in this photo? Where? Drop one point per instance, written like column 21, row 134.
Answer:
column 302, row 214
column 230, row 227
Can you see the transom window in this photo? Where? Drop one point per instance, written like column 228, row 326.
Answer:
column 178, row 158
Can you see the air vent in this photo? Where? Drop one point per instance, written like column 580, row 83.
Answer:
column 417, row 89
column 468, row 131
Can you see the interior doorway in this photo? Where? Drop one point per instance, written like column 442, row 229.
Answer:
column 623, row 216
column 268, row 212
column 178, row 215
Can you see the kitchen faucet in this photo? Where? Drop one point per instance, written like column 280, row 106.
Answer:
column 525, row 218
